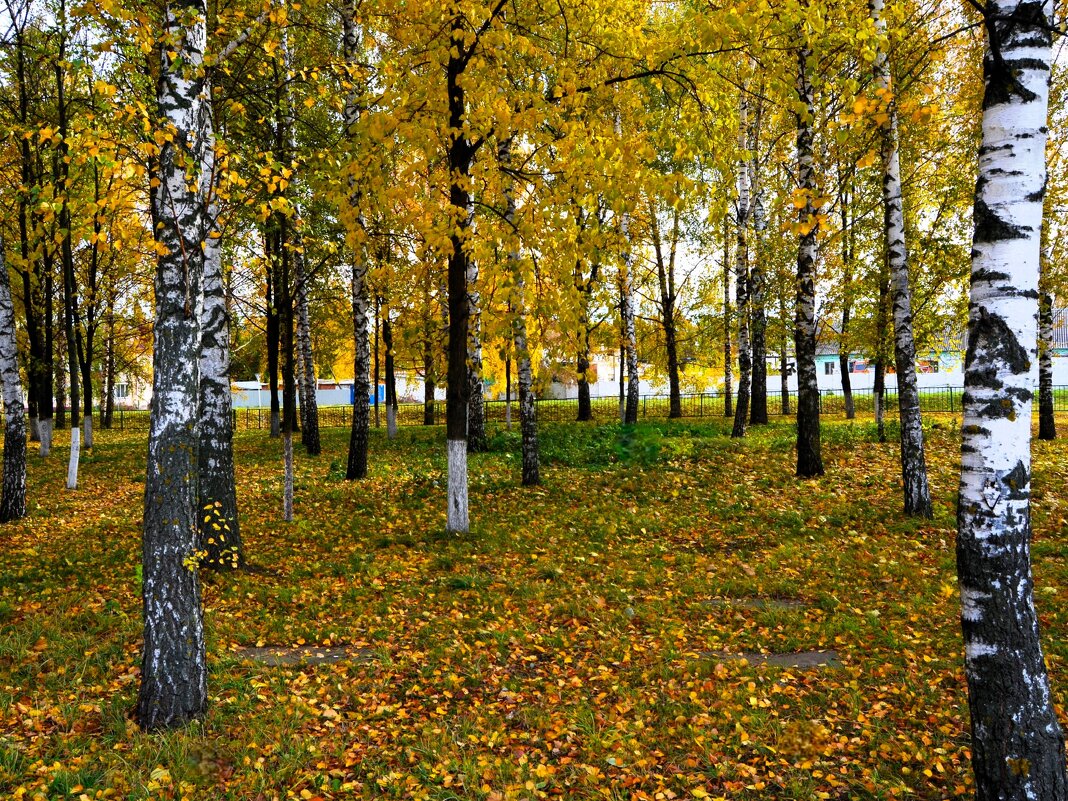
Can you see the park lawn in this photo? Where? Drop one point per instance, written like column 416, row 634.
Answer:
column 569, row 647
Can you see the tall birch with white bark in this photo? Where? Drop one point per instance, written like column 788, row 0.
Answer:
column 173, row 668
column 913, row 461
column 13, row 497
column 1017, row 741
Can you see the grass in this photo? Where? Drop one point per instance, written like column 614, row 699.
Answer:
column 553, row 652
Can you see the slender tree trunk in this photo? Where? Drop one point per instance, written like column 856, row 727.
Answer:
column 881, row 323
column 60, row 170
column 476, row 407
column 741, row 276
column 220, row 533
column 273, row 328
column 585, row 406
column 508, row 391
column 46, row 401
column 13, row 497
column 309, row 404
column 375, row 351
column 847, row 304
column 913, row 461
column 109, row 368
column 361, row 412
column 665, row 273
column 622, row 369
column 1047, row 423
column 809, row 459
column 528, row 421
column 1017, row 742
column 630, row 338
column 784, row 370
column 391, row 377
column 173, row 668
column 728, row 355
column 429, row 373
column 758, row 399
column 60, row 374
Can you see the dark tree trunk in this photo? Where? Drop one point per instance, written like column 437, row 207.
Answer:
column 728, row 356
column 107, row 419
column 273, row 331
column 585, row 406
column 847, row 304
column 377, row 348
column 1047, row 423
column 809, row 458
column 391, row 377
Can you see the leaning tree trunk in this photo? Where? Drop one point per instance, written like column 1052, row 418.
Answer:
column 741, row 276
column 1047, row 424
column 173, row 668
column 809, row 459
column 1017, row 741
column 13, row 497
column 913, row 462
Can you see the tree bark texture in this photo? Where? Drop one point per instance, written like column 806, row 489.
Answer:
column 728, row 353
column 1047, row 423
column 13, row 495
column 809, row 459
column 173, row 669
column 476, row 406
column 1017, row 741
column 630, row 337
column 220, row 535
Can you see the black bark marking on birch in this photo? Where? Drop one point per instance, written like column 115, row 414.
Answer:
column 991, row 228
column 992, row 340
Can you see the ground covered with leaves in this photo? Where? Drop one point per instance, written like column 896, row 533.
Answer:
column 577, row 644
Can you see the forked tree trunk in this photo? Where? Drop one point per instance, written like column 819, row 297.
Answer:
column 809, row 458
column 1017, row 741
column 913, row 461
column 173, row 668
column 13, row 496
column 1047, row 423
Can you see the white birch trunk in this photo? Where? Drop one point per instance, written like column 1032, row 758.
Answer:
column 13, row 497
column 913, row 461
column 1017, row 742
column 173, row 668
column 75, row 457
column 630, row 336
column 457, row 516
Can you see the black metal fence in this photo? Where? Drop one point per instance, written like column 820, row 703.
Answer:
column 605, row 409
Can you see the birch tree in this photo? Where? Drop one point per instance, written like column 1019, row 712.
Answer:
column 13, row 496
column 173, row 668
column 913, row 460
column 1017, row 741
